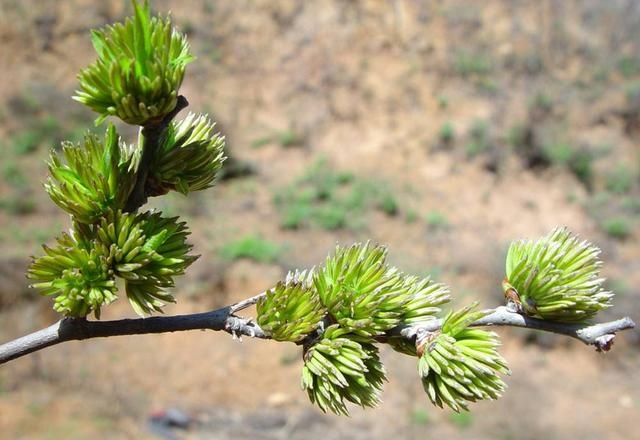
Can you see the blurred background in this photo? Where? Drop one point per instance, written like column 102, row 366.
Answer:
column 443, row 129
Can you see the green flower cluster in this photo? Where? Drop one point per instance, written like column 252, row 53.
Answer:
column 93, row 177
column 189, row 156
column 364, row 294
column 139, row 70
column 459, row 364
column 342, row 367
column 78, row 273
column 291, row 310
column 358, row 297
column 140, row 67
column 146, row 250
column 556, row 278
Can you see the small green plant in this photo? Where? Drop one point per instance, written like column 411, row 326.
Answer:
column 632, row 92
column 516, row 137
column 42, row 129
column 472, row 64
column 619, row 180
column 447, row 133
column 419, row 416
column 443, row 101
column 437, row 220
column 253, row 248
column 541, row 101
column 13, row 175
column 617, row 227
column 558, row 153
column 18, row 204
column 478, row 139
column 290, row 138
column 488, row 85
column 386, row 202
column 25, row 143
column 629, row 66
column 261, row 142
column 411, row 216
column 581, row 165
column 461, row 420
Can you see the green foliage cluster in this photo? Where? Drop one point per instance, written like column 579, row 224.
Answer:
column 337, row 311
column 556, row 278
column 460, row 364
column 140, row 67
column 136, row 78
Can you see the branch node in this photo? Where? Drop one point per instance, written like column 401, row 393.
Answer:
column 604, row 343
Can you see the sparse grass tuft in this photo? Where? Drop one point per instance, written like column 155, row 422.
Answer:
column 629, row 66
column 617, row 227
column 253, row 248
column 436, row 220
column 461, row 419
column 331, row 200
column 619, row 180
column 290, row 138
column 479, row 141
column 472, row 64
column 447, row 133
column 419, row 416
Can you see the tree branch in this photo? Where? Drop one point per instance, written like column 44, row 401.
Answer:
column 151, row 133
column 600, row 336
column 71, row 329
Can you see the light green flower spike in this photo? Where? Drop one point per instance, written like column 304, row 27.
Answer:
column 556, row 278
column 139, row 70
column 459, row 364
column 342, row 368
column 291, row 310
column 78, row 273
column 88, row 180
column 189, row 156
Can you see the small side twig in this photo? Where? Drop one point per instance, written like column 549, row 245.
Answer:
column 151, row 138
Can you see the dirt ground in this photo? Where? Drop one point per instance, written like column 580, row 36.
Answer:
column 456, row 108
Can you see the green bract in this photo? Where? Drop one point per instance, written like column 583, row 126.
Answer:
column 556, row 278
column 189, row 156
column 78, row 273
column 342, row 368
column 93, row 178
column 148, row 252
column 291, row 310
column 139, row 70
column 460, row 364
